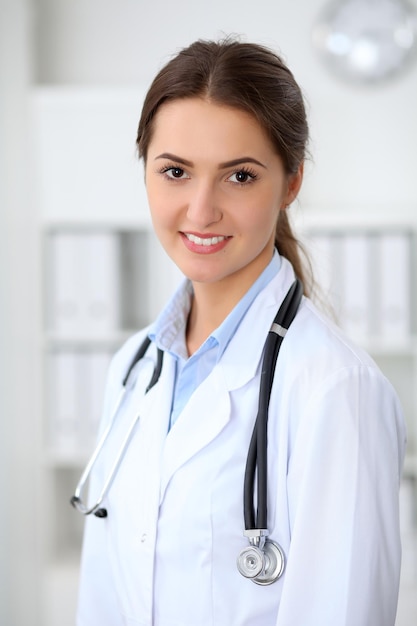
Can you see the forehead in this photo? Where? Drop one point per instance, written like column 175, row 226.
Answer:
column 198, row 124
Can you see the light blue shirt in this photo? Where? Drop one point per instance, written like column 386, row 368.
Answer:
column 168, row 333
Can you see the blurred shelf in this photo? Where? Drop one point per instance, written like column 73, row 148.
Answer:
column 403, row 218
column 410, row 465
column 109, row 341
column 66, row 459
column 112, row 224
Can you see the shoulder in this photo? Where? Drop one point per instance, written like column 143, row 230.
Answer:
column 330, row 385
column 312, row 335
column 317, row 336
column 318, row 358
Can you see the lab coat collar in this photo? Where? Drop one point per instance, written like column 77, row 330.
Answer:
column 250, row 338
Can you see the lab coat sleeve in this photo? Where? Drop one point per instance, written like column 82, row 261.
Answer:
column 343, row 481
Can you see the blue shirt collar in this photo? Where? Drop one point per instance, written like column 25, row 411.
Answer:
column 168, row 330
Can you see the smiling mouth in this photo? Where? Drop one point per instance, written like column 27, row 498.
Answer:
column 205, row 241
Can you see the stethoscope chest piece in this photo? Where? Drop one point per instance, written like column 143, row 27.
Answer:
column 263, row 563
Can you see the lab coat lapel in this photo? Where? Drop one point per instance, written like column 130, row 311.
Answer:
column 203, row 418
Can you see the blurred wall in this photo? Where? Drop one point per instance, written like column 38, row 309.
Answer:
column 363, row 138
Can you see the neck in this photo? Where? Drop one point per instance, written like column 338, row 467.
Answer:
column 208, row 310
column 211, row 304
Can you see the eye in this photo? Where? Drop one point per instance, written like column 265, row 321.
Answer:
column 243, row 177
column 174, row 172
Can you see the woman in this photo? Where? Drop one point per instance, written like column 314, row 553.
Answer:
column 223, row 136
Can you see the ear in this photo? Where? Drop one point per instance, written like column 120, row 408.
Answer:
column 294, row 185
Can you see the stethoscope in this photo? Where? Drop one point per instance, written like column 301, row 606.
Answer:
column 263, row 561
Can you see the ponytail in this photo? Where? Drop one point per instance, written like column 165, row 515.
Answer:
column 290, row 248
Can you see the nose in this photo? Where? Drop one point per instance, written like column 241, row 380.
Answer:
column 203, row 206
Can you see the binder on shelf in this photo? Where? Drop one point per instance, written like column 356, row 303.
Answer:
column 408, row 520
column 394, row 267
column 64, row 427
column 64, row 269
column 324, row 254
column 321, row 252
column 165, row 278
column 355, row 280
column 408, row 527
column 94, row 381
column 76, row 384
column 148, row 278
column 100, row 283
column 134, row 279
column 84, row 294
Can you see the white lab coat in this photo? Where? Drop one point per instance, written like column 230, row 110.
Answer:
column 166, row 554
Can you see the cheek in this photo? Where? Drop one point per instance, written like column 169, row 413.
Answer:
column 261, row 216
column 164, row 215
column 158, row 201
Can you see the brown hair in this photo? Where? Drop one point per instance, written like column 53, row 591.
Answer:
column 249, row 77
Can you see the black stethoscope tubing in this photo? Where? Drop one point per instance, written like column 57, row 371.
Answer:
column 138, row 356
column 257, row 460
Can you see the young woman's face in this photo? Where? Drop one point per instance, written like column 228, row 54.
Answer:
column 215, row 186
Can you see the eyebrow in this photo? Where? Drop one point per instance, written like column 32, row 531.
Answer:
column 225, row 164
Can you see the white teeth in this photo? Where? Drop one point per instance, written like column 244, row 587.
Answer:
column 206, row 241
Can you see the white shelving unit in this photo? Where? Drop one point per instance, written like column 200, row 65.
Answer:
column 92, row 191
column 76, row 362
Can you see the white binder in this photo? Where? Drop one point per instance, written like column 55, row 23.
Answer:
column 65, row 269
column 355, row 257
column 96, row 369
column 394, row 265
column 323, row 249
column 84, row 290
column 100, row 284
column 165, row 278
column 64, row 425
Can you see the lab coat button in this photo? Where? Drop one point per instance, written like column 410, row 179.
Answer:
column 143, row 537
